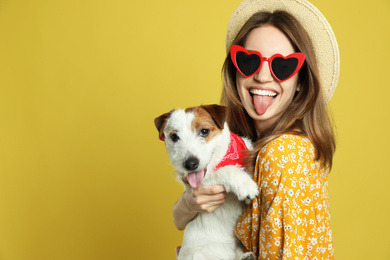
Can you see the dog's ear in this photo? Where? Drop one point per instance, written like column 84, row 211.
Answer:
column 160, row 123
column 218, row 113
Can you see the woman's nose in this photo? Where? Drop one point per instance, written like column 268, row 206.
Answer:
column 264, row 74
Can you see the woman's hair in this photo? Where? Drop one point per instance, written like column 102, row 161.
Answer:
column 306, row 115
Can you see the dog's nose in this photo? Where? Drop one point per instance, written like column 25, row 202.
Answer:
column 191, row 163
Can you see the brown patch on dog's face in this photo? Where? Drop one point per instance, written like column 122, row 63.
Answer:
column 204, row 124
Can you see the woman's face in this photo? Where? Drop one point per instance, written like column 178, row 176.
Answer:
column 263, row 97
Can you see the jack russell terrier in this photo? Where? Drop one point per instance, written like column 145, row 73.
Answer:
column 204, row 152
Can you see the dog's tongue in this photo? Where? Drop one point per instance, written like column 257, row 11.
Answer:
column 195, row 178
column 261, row 103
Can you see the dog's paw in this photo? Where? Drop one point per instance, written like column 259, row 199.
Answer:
column 248, row 256
column 250, row 191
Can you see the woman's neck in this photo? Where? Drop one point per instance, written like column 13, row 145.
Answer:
column 263, row 128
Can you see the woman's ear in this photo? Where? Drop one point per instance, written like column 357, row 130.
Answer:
column 297, row 90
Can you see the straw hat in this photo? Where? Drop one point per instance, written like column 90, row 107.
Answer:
column 315, row 24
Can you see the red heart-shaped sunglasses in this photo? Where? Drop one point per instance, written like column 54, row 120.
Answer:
column 282, row 68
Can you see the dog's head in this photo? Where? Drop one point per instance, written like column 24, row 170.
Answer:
column 192, row 137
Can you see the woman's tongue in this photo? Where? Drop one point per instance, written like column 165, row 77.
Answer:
column 262, row 103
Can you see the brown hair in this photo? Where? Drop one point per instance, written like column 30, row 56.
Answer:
column 306, row 115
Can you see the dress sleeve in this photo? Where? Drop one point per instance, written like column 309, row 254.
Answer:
column 294, row 220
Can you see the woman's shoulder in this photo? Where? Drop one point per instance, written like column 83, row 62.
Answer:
column 288, row 154
column 288, row 144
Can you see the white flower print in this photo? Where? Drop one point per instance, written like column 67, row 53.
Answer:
column 266, row 166
column 294, row 183
column 292, row 155
column 307, row 201
column 255, row 204
column 284, row 159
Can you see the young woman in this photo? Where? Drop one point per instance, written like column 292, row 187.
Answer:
column 281, row 69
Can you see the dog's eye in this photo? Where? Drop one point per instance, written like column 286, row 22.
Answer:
column 204, row 132
column 174, row 137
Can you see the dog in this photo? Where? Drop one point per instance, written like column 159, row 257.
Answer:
column 204, row 152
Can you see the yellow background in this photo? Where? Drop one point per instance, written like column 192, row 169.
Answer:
column 83, row 175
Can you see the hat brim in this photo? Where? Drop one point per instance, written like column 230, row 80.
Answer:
column 319, row 30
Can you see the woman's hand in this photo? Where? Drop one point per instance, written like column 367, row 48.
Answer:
column 206, row 198
column 202, row 199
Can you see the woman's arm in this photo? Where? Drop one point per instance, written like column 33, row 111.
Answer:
column 292, row 219
column 202, row 199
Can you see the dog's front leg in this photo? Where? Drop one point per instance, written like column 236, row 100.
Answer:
column 236, row 180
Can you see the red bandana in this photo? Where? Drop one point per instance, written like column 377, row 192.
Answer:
column 235, row 152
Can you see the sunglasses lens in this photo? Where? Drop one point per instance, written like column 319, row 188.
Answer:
column 284, row 68
column 247, row 63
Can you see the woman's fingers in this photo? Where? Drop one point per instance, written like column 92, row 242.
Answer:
column 209, row 198
column 210, row 190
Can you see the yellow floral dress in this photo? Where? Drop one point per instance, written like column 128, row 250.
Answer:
column 290, row 218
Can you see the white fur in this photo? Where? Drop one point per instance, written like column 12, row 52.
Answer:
column 210, row 235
